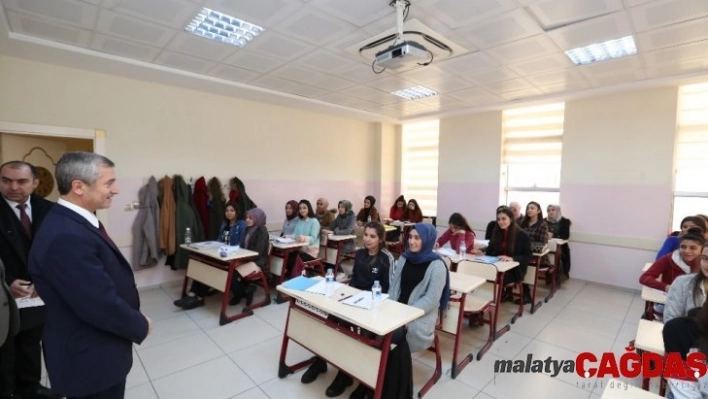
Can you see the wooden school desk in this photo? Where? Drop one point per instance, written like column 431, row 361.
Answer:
column 616, row 389
column 277, row 259
column 206, row 266
column 336, row 243
column 452, row 322
column 650, row 339
column 355, row 354
column 651, row 296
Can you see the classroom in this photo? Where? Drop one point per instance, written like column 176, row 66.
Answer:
column 300, row 112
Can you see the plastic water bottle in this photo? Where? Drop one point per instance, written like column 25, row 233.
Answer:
column 226, row 237
column 368, row 219
column 376, row 296
column 463, row 249
column 188, row 236
column 329, row 283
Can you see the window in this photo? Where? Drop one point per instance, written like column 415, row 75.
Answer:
column 691, row 155
column 531, row 161
column 419, row 165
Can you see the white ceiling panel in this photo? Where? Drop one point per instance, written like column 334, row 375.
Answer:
column 613, row 26
column 253, row 61
column 361, row 73
column 673, row 35
column 326, row 61
column 130, row 28
column 519, row 94
column 363, row 105
column 273, row 83
column 620, row 77
column 474, row 95
column 408, row 106
column 634, row 3
column 666, row 12
column 678, row 54
column 124, row 48
column 388, row 111
column 525, row 49
column 185, row 62
column 296, row 73
column 359, row 12
column 188, row 43
column 554, row 13
column 371, row 94
column 314, row 26
column 44, row 29
column 93, row 2
column 562, row 76
column 266, row 13
column 545, row 63
column 508, row 85
column 307, row 91
column 277, row 45
column 70, row 12
column 173, row 13
column 501, row 29
column 664, row 70
column 423, row 75
column 457, row 13
column 449, row 84
column 337, row 98
column 332, row 83
column 469, row 62
column 391, row 83
column 611, row 67
column 491, row 76
column 232, row 73
column 565, row 86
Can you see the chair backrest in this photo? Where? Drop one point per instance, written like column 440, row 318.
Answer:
column 484, row 270
column 447, row 261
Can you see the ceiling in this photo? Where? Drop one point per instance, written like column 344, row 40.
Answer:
column 508, row 50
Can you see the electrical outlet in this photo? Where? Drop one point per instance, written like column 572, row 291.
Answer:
column 128, row 207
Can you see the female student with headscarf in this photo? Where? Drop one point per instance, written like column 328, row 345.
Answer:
column 413, row 213
column 255, row 239
column 291, row 211
column 368, row 213
column 559, row 227
column 344, row 223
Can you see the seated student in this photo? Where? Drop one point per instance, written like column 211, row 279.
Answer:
column 510, row 243
column 672, row 242
column 344, row 224
column 413, row 213
column 371, row 263
column 236, row 227
column 398, row 209
column 559, row 227
column 458, row 230
column 368, row 213
column 307, row 230
column 687, row 291
column 537, row 229
column 516, row 208
column 323, row 214
column 256, row 239
column 684, row 335
column 491, row 225
column 291, row 211
column 684, row 260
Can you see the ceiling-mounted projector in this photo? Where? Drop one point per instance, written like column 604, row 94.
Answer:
column 401, row 55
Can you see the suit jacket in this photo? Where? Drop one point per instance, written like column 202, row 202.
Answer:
column 9, row 317
column 92, row 302
column 14, row 249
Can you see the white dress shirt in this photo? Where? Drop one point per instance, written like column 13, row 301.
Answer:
column 13, row 206
column 81, row 211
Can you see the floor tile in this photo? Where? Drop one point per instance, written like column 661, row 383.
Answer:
column 589, row 322
column 137, row 375
column 260, row 361
column 532, row 386
column 478, row 374
column 254, row 393
column 180, row 354
column 218, row 379
column 243, row 333
column 144, row 391
column 167, row 330
column 575, row 339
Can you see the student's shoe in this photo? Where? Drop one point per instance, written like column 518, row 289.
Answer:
column 339, row 385
column 189, row 302
column 250, row 290
column 235, row 300
column 361, row 392
column 527, row 300
column 314, row 371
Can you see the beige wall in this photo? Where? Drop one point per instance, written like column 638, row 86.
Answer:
column 280, row 153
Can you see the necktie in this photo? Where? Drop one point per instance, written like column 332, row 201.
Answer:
column 25, row 220
column 104, row 233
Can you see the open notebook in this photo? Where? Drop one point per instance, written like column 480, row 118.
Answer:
column 362, row 300
column 485, row 259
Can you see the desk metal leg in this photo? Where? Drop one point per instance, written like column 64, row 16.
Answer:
column 457, row 368
column 497, row 304
column 385, row 349
column 520, row 311
column 184, row 285
column 283, row 270
column 223, row 317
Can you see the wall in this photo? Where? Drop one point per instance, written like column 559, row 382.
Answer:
column 279, row 153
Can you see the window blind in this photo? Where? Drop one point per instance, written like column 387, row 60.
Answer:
column 419, row 164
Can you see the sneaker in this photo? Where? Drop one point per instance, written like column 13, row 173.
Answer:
column 339, row 385
column 189, row 302
column 318, row 367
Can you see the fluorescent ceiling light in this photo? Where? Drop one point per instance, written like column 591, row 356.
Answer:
column 414, row 93
column 223, row 28
column 603, row 51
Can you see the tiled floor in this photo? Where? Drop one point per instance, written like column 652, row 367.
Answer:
column 190, row 356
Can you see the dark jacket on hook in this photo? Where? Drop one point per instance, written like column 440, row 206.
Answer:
column 184, row 217
column 217, row 208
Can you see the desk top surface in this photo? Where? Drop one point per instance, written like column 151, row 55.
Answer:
column 649, row 337
column 465, row 283
column 501, row 266
column 558, row 241
column 653, row 295
column 213, row 252
column 334, row 237
column 616, row 389
column 389, row 317
column 283, row 245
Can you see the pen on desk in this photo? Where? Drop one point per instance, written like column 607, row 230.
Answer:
column 345, row 298
column 358, row 300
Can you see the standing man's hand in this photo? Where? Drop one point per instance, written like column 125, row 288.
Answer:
column 21, row 288
column 149, row 325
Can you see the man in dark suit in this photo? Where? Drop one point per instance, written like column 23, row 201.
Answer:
column 9, row 318
column 93, row 315
column 21, row 214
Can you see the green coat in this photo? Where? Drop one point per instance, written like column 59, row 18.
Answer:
column 184, row 217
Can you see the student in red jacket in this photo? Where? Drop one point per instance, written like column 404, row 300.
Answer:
column 682, row 261
column 458, row 230
column 398, row 210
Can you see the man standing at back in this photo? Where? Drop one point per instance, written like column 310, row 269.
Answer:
column 93, row 315
column 21, row 214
